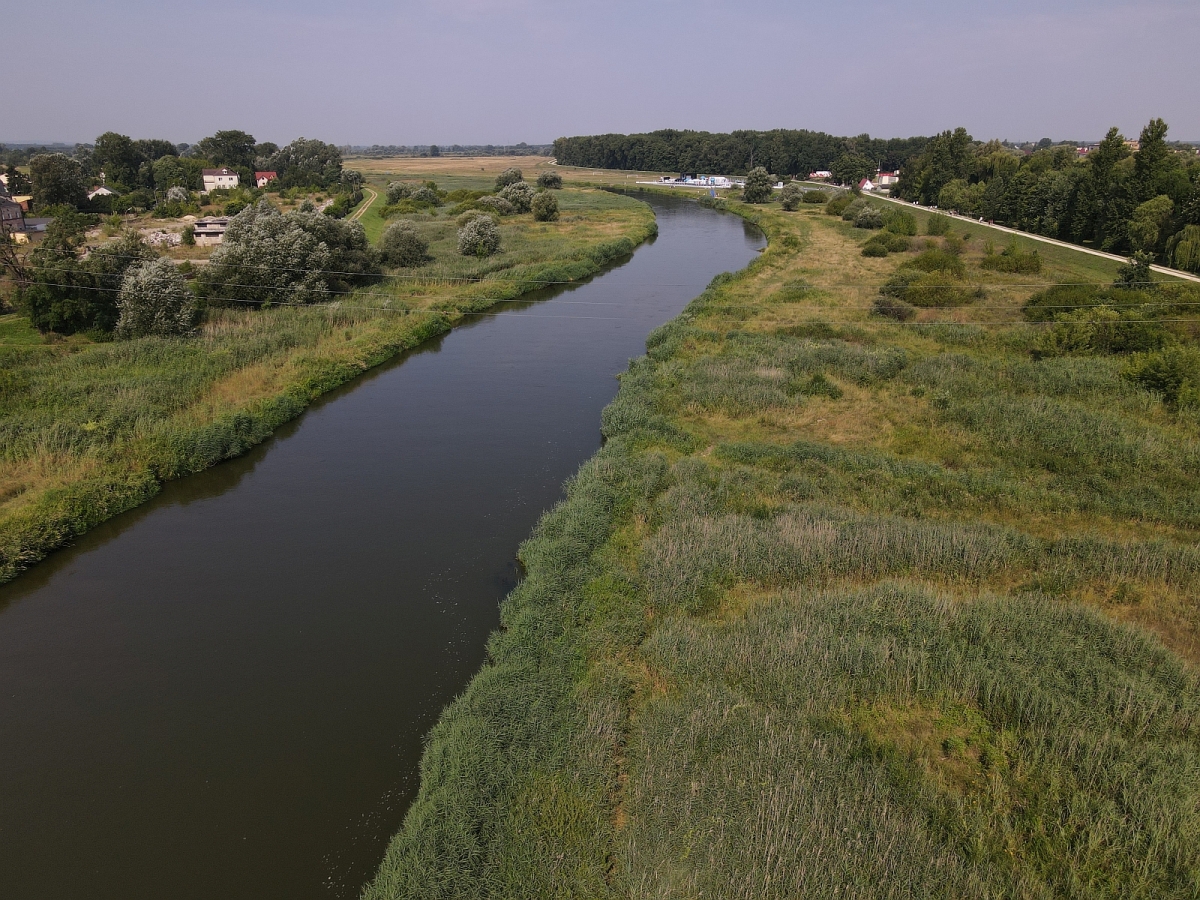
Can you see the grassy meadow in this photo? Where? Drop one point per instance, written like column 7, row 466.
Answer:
column 845, row 607
column 89, row 429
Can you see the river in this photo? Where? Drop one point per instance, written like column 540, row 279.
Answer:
column 224, row 692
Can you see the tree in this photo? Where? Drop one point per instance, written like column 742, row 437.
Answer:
column 544, row 207
column 851, row 168
column 435, row 150
column 155, row 300
column 227, row 148
column 17, row 182
column 1150, row 219
column 509, row 176
column 401, row 245
column 1184, row 249
column 760, row 185
column 116, row 156
column 307, row 163
column 1153, row 160
column 57, row 179
column 479, row 237
column 1136, row 274
column 551, row 181
column 519, row 194
column 791, row 195
column 300, row 257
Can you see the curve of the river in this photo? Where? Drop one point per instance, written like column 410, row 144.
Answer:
column 224, row 692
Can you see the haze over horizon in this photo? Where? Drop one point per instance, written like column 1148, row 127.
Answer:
column 506, row 71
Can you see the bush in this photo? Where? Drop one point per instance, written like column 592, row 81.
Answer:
column 760, row 185
column 938, row 261
column 401, row 245
column 791, row 196
column 397, row 191
column 1100, row 330
column 508, row 176
column 874, row 248
column 893, row 308
column 519, row 194
column 177, row 194
column 496, row 204
column 1173, row 374
column 937, row 224
column 815, row 197
column 551, row 181
column 869, row 217
column 425, row 194
column 472, row 214
column 544, row 207
column 837, row 205
column 900, row 221
column 895, row 243
column 188, row 237
column 1012, row 259
column 853, row 208
column 1136, row 274
column 155, row 300
column 937, row 289
column 233, row 207
column 479, row 237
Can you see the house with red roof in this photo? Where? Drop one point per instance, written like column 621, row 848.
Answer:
column 262, row 178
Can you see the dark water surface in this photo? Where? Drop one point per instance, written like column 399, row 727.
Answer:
column 223, row 693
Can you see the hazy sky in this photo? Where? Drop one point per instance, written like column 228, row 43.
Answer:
column 503, row 71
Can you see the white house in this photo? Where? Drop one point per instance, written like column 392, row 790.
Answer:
column 101, row 191
column 886, row 178
column 217, row 179
column 866, row 185
column 262, row 179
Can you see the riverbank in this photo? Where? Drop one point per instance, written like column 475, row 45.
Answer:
column 844, row 607
column 89, row 430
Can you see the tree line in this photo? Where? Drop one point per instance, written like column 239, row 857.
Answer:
column 781, row 151
column 1113, row 197
column 140, row 169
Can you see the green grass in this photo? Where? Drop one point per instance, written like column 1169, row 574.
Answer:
column 88, row 430
column 842, row 608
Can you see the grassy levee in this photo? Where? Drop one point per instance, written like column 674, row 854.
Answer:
column 88, row 430
column 843, row 607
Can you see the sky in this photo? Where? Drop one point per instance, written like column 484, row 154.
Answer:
column 505, row 71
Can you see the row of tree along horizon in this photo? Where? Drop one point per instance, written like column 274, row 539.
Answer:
column 1112, row 197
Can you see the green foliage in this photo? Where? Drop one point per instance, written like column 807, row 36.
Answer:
column 544, row 207
column 306, row 163
column 869, row 216
column 875, row 248
column 234, row 149
column 511, row 175
column 815, row 197
column 499, row 205
column 838, row 204
column 851, row 210
column 1149, row 223
column 551, row 181
column 470, row 214
column 1135, row 275
column 155, row 300
column 938, row 289
column 760, row 185
column 1185, row 249
column 900, row 221
column 188, row 236
column 57, row 179
column 401, row 245
column 937, row 261
column 937, row 225
column 1013, row 259
column 519, row 194
column 893, row 308
column 791, row 196
column 479, row 237
column 1172, row 373
column 958, row 196
column 298, row 257
column 1100, row 330
column 425, row 194
column 851, row 168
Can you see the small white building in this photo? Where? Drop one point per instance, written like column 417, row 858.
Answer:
column 886, row 178
column 219, row 179
column 819, row 174
column 101, row 191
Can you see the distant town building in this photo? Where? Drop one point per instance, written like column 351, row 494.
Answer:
column 101, row 191
column 12, row 217
column 866, row 185
column 218, row 179
column 1134, row 145
column 820, row 173
column 886, row 178
column 210, row 231
column 261, row 178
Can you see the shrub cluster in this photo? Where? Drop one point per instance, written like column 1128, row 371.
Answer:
column 155, row 300
column 401, row 245
column 544, row 207
column 551, row 181
column 937, row 224
column 479, row 237
column 397, row 191
column 1012, row 259
column 791, row 195
column 760, row 185
column 869, row 217
column 498, row 205
column 509, row 176
column 519, row 194
column 838, row 204
column 893, row 308
column 815, row 197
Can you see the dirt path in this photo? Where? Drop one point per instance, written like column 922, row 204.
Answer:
column 363, row 207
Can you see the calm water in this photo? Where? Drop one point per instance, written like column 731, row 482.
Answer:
column 224, row 692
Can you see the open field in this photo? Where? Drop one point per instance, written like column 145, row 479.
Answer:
column 88, row 430
column 844, row 607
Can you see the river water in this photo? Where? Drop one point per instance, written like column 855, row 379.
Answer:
column 224, row 692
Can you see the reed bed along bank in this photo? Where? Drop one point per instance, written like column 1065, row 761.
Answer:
column 843, row 608
column 88, row 430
